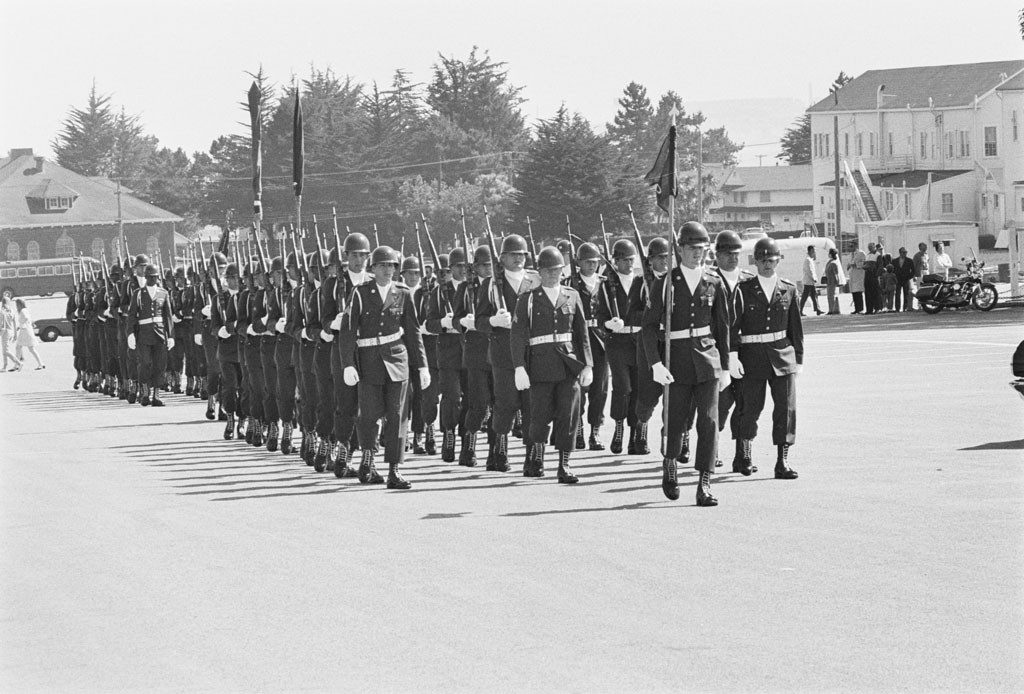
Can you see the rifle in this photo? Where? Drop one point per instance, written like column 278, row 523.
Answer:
column 533, row 246
column 573, row 272
column 604, row 237
column 433, row 249
column 376, row 238
column 74, row 278
column 465, row 234
column 639, row 243
column 419, row 254
column 494, row 254
column 319, row 250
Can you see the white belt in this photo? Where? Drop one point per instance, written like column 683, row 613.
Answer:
column 627, row 330
column 377, row 341
column 763, row 337
column 548, row 339
column 592, row 323
column 147, row 321
column 689, row 332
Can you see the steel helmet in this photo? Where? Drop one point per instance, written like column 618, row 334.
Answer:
column 293, row 261
column 693, row 234
column 115, row 271
column 766, row 247
column 276, row 265
column 513, row 243
column 231, row 271
column 549, row 258
column 656, row 247
column 443, row 262
column 334, row 258
column 482, row 255
column 141, row 260
column 457, row 256
column 587, row 251
column 727, row 240
column 179, row 272
column 356, row 243
column 623, row 248
column 219, row 258
column 411, row 264
column 383, row 255
column 151, row 271
column 563, row 246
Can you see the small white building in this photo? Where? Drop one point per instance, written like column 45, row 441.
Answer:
column 960, row 239
column 777, row 198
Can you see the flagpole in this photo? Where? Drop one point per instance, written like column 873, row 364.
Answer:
column 669, row 294
column 298, row 163
column 256, row 127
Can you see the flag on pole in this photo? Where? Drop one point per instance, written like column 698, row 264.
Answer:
column 256, row 123
column 298, row 148
column 663, row 174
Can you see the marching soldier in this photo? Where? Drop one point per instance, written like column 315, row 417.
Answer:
column 621, row 341
column 135, row 283
column 594, row 397
column 441, row 321
column 551, row 354
column 224, row 324
column 495, row 304
column 259, row 314
column 176, row 358
column 381, row 350
column 109, row 302
column 647, row 391
column 305, row 326
column 206, row 336
column 284, row 279
column 769, row 340
column 346, row 398
column 478, row 386
column 256, row 332
column 727, row 259
column 150, row 335
column 410, row 275
column 71, row 311
column 697, row 345
column 246, row 424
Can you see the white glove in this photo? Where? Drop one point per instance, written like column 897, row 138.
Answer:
column 735, row 367
column 108, row 314
column 206, row 310
column 326, row 336
column 522, row 378
column 131, row 342
column 336, row 323
column 198, row 339
column 306, row 335
column 350, row 375
column 661, row 374
column 281, row 322
column 170, row 344
column 446, row 322
column 316, row 284
column 250, row 331
column 501, row 319
column 615, row 324
column 586, row 376
column 223, row 333
column 724, row 379
column 424, row 378
column 468, row 321
column 174, row 319
column 424, row 331
column 799, row 369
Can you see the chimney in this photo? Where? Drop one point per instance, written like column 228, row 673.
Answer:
column 23, row 152
column 39, row 164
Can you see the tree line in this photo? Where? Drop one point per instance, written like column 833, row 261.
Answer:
column 384, row 154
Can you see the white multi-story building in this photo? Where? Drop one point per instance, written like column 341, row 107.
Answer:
column 942, row 143
column 778, row 198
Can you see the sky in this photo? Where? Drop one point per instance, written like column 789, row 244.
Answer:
column 181, row 66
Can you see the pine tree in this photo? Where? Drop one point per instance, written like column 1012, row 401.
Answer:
column 631, row 131
column 796, row 142
column 85, row 143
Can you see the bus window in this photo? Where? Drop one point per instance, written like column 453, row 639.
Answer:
column 46, row 270
column 8, row 272
column 26, row 272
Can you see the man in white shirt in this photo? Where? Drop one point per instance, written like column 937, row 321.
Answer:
column 810, row 282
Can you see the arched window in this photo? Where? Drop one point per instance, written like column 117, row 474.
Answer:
column 152, row 246
column 97, row 248
column 13, row 251
column 65, row 246
column 32, row 250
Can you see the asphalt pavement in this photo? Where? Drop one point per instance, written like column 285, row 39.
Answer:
column 142, row 552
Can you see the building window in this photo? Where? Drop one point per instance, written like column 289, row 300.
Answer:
column 871, row 144
column 766, row 218
column 892, row 146
column 990, row 141
column 32, row 250
column 828, row 148
column 766, row 196
column 964, row 140
column 1013, row 119
column 846, row 144
column 743, row 198
column 950, row 146
column 860, row 144
column 13, row 251
column 947, row 203
column 906, row 203
column 888, row 201
column 65, row 246
column 728, row 215
column 97, row 248
column 995, row 200
column 924, row 145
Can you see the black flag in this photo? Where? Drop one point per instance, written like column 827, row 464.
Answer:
column 256, row 123
column 663, row 174
column 298, row 147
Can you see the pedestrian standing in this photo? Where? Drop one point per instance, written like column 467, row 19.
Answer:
column 8, row 323
column 24, row 334
column 903, row 267
column 887, row 280
column 856, row 269
column 810, row 281
column 834, row 281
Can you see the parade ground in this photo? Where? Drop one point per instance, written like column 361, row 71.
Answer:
column 142, row 552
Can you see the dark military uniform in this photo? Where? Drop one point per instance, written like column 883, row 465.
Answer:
column 594, row 397
column 381, row 340
column 551, row 341
column 280, row 306
column 478, row 389
column 451, row 374
column 731, row 397
column 647, row 391
column 345, row 397
column 224, row 325
column 149, row 320
column 621, row 348
column 425, row 401
column 305, row 327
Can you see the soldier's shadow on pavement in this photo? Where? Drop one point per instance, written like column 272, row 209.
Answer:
column 997, row 446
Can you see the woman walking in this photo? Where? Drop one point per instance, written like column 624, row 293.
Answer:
column 7, row 327
column 26, row 339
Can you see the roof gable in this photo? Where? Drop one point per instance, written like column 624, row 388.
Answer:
column 945, row 85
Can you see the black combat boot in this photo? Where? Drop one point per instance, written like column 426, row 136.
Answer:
column 616, row 446
column 320, row 459
column 257, row 434
column 581, row 441
column 367, row 472
column 467, row 456
column 669, row 479
column 395, row 479
column 144, row 400
column 501, row 454
column 229, row 428
column 565, row 475
column 272, row 436
column 429, row 445
column 286, row 438
column 595, row 443
column 448, row 446
column 78, row 380
column 640, row 445
column 684, row 452
column 741, row 463
column 133, row 393
column 417, row 447
column 782, row 469
column 704, row 497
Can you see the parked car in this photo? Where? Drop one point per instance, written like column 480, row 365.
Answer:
column 49, row 329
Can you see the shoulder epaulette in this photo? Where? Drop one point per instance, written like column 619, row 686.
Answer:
column 787, row 282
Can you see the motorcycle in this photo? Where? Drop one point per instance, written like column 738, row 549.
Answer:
column 967, row 289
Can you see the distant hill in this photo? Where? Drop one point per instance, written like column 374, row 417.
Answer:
column 752, row 121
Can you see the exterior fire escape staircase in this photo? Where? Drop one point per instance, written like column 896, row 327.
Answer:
column 859, row 179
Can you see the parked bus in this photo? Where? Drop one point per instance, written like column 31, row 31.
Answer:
column 42, row 277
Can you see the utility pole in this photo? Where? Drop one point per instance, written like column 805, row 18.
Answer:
column 838, row 188
column 700, row 176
